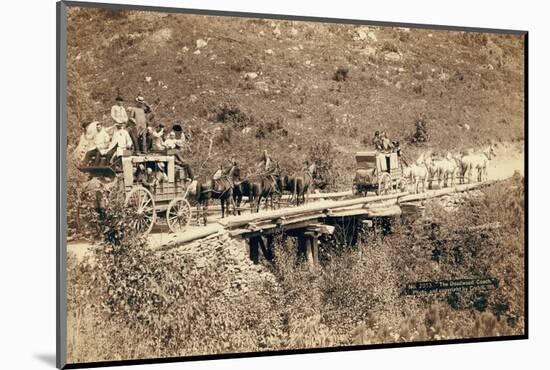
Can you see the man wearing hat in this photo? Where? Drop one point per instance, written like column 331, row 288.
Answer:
column 161, row 175
column 141, row 174
column 377, row 141
column 266, row 164
column 122, row 138
column 150, row 180
column 386, row 142
column 118, row 113
column 139, row 114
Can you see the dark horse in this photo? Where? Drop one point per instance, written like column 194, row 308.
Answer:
column 221, row 189
column 299, row 184
column 266, row 186
column 241, row 188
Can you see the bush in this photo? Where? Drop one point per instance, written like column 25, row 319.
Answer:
column 341, row 74
column 323, row 155
column 130, row 301
column 233, row 115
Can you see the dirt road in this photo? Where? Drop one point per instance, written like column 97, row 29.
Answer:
column 508, row 160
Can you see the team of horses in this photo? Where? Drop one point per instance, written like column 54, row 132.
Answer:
column 448, row 169
column 231, row 188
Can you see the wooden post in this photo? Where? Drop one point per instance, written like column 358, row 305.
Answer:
column 269, row 246
column 312, row 248
column 265, row 251
column 315, row 241
column 301, row 244
column 309, row 252
column 254, row 249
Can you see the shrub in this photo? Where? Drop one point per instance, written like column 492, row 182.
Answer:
column 323, row 155
column 132, row 301
column 341, row 74
column 234, row 115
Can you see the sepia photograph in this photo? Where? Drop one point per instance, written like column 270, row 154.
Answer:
column 241, row 184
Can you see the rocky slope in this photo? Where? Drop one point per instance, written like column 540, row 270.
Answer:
column 252, row 84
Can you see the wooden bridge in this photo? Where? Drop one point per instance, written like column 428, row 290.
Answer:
column 308, row 222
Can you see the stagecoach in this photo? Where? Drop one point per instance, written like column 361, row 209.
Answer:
column 165, row 200
column 378, row 172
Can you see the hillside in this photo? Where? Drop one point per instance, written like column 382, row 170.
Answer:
column 252, row 84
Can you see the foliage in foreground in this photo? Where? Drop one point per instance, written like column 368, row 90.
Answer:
column 131, row 302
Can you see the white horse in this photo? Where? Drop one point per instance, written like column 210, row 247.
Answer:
column 416, row 174
column 447, row 169
column 479, row 162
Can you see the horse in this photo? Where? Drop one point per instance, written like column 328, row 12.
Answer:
column 417, row 174
column 479, row 162
column 442, row 168
column 241, row 188
column 426, row 159
column 263, row 186
column 303, row 182
column 446, row 169
column 288, row 184
column 221, row 189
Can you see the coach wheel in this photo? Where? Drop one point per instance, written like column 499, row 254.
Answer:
column 142, row 205
column 178, row 215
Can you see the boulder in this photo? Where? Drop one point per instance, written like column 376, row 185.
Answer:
column 200, row 43
column 250, row 75
column 359, row 35
column 392, row 56
column 368, row 51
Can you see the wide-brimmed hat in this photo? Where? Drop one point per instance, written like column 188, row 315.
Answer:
column 119, row 98
column 140, row 99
